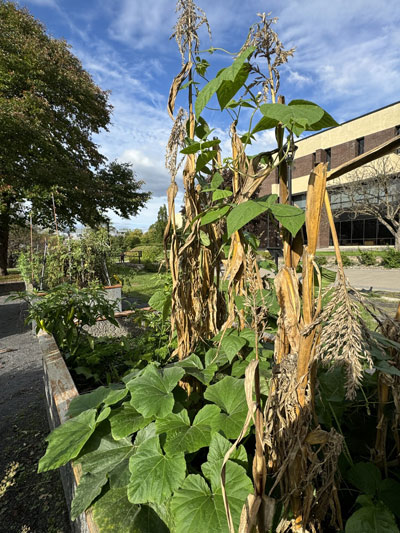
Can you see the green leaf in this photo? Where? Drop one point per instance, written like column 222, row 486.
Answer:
column 366, row 477
column 372, row 519
column 115, row 395
column 228, row 73
column 108, row 456
column 389, row 494
column 232, row 344
column 228, row 89
column 125, row 421
column 216, row 181
column 204, row 238
column 214, row 214
column 387, row 368
column 89, row 488
column 90, row 400
column 218, row 448
column 325, row 122
column 182, row 436
column 152, row 391
column 67, row 440
column 103, row 414
column 199, row 146
column 220, row 194
column 197, row 508
column 265, row 123
column 204, row 158
column 157, row 300
column 113, row 512
column 155, row 476
column 297, row 116
column 292, row 218
column 243, row 213
column 229, row 395
column 193, row 366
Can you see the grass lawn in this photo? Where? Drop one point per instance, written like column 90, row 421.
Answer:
column 354, row 253
column 139, row 285
column 13, row 275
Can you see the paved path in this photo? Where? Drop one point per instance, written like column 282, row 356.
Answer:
column 379, row 279
column 31, row 501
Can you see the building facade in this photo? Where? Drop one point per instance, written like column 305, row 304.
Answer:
column 336, row 146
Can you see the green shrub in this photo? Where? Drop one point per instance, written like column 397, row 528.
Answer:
column 151, row 253
column 391, row 258
column 367, row 258
column 321, row 260
column 346, row 261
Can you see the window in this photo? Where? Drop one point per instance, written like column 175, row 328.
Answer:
column 314, row 159
column 328, row 157
column 360, row 146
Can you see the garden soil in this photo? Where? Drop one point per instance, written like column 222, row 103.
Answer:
column 29, row 502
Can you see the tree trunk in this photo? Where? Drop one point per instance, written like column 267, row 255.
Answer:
column 4, row 233
column 397, row 240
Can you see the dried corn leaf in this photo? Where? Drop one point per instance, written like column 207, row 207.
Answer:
column 178, row 80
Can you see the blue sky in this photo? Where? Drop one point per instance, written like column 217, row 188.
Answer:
column 347, row 60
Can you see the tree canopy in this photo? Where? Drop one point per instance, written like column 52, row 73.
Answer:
column 49, row 110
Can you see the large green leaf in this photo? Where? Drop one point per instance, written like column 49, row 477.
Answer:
column 125, row 421
column 151, row 392
column 296, row 117
column 182, row 436
column 366, row 477
column 90, row 400
column 155, row 475
column 326, row 121
column 389, row 493
column 218, row 448
column 109, row 455
column 193, row 366
column 220, row 194
column 204, row 158
column 67, row 440
column 243, row 213
column 232, row 344
column 113, row 512
column 228, row 88
column 198, row 147
column 89, row 488
column 265, row 123
column 371, row 519
column 228, row 73
column 292, row 218
column 214, row 214
column 197, row 508
column 230, row 396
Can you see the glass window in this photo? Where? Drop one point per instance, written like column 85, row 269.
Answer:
column 328, row 157
column 360, row 146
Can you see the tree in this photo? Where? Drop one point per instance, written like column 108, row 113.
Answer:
column 374, row 190
column 49, row 109
column 155, row 232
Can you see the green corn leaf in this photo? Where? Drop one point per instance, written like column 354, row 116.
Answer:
column 114, row 513
column 125, row 421
column 182, row 436
column 155, row 475
column 292, row 218
column 152, row 391
column 67, row 440
column 229, row 395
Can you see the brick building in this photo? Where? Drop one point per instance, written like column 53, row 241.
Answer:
column 336, row 146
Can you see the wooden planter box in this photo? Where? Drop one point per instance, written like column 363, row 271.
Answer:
column 59, row 391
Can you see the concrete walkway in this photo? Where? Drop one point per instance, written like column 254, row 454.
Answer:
column 374, row 278
column 29, row 501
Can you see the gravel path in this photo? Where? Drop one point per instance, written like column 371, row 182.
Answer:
column 29, row 502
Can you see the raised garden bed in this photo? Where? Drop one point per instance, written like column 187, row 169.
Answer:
column 60, row 390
